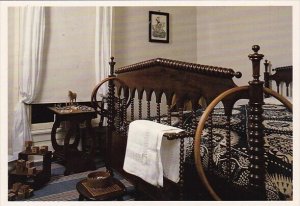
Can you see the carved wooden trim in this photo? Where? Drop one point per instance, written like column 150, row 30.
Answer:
column 180, row 65
column 283, row 68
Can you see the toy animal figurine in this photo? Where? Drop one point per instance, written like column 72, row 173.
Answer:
column 72, row 97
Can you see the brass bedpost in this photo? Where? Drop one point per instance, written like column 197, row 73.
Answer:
column 255, row 130
column 267, row 76
column 111, row 117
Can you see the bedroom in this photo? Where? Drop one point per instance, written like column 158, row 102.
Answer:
column 196, row 36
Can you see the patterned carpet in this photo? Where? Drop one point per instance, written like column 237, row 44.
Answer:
column 63, row 188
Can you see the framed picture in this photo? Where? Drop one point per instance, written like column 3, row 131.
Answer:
column 158, row 27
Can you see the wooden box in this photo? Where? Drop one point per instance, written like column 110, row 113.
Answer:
column 35, row 150
column 44, row 149
column 20, row 166
column 21, row 196
column 32, row 170
column 11, row 196
column 28, row 144
column 16, row 186
column 28, row 149
column 29, row 164
column 25, row 190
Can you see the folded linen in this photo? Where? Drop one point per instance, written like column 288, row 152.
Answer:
column 148, row 155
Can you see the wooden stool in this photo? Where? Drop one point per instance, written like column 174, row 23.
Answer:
column 115, row 191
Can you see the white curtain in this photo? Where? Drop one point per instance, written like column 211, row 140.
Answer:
column 32, row 28
column 103, row 45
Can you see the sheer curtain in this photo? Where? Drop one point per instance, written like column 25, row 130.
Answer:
column 103, row 45
column 32, row 27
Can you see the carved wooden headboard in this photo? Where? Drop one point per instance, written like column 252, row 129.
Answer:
column 188, row 81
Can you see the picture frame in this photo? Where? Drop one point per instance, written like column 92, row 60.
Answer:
column 158, row 27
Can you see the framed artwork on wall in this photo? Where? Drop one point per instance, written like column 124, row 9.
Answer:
column 158, row 27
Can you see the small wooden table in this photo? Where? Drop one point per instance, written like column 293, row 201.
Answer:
column 76, row 161
column 114, row 192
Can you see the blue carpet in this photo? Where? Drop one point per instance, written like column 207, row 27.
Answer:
column 63, row 188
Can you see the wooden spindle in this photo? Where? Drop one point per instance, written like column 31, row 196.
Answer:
column 140, row 108
column 169, row 118
column 257, row 169
column 267, row 76
column 148, row 110
column 287, row 90
column 158, row 96
column 110, row 118
column 132, row 108
column 124, row 104
column 118, row 114
column 193, row 130
column 181, row 155
column 158, row 112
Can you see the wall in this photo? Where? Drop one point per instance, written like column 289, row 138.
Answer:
column 226, row 34
column 69, row 59
column 131, row 43
column 13, row 30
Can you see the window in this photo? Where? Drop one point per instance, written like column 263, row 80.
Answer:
column 42, row 117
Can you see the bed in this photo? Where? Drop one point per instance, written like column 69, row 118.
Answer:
column 283, row 76
column 158, row 79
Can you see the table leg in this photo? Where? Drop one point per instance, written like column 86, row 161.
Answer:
column 77, row 135
column 67, row 147
column 68, row 136
column 91, row 135
column 54, row 143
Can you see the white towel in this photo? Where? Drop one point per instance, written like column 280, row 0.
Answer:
column 144, row 156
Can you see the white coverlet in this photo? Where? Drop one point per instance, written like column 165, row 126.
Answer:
column 148, row 155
